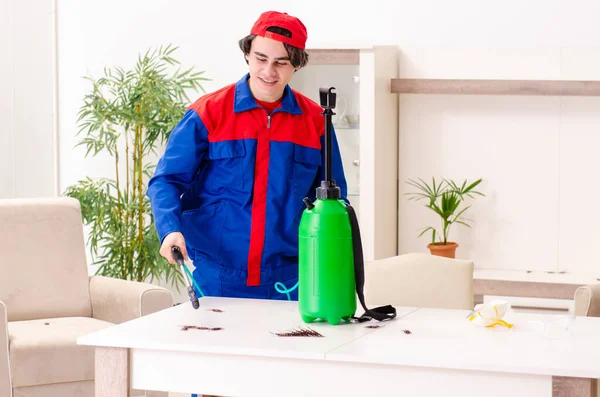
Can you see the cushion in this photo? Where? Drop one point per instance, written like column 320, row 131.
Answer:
column 43, row 264
column 46, row 351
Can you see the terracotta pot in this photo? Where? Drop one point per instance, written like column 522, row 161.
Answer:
column 447, row 250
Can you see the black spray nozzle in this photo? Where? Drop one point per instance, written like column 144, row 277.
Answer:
column 193, row 297
column 309, row 205
column 327, row 97
column 178, row 256
column 328, row 189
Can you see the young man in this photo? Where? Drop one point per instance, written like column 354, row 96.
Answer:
column 228, row 190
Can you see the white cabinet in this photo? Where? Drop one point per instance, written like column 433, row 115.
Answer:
column 28, row 133
column 366, row 125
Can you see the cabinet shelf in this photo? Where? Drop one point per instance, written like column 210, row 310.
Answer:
column 495, row 87
column 333, row 56
column 361, row 76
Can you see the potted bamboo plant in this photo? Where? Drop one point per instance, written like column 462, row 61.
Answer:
column 446, row 199
column 128, row 114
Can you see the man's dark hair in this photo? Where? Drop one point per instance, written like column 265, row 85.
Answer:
column 298, row 57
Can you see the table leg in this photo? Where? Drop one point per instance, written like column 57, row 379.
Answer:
column 112, row 372
column 563, row 386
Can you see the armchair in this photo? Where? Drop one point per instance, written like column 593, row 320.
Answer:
column 587, row 301
column 420, row 280
column 47, row 300
column 587, row 304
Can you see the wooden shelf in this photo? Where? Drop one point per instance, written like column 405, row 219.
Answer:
column 536, row 284
column 495, row 87
column 528, row 289
column 333, row 56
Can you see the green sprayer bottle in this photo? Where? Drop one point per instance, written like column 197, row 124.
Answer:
column 326, row 288
column 331, row 268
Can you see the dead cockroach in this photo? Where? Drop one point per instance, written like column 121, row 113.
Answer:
column 186, row 327
column 301, row 331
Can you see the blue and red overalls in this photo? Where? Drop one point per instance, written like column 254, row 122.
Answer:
column 232, row 180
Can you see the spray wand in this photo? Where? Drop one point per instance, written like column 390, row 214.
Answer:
column 178, row 256
column 328, row 188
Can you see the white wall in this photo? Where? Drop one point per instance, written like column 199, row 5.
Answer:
column 522, row 146
column 28, row 166
column 7, row 177
column 536, row 155
column 93, row 34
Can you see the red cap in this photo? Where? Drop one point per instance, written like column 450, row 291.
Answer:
column 282, row 20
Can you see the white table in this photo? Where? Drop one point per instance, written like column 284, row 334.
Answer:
column 443, row 355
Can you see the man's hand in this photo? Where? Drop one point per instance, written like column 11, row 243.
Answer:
column 173, row 239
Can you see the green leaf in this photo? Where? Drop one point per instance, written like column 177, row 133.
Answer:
column 463, row 223
column 127, row 114
column 445, row 199
column 426, row 230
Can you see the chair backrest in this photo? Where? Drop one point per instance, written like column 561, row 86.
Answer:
column 420, row 280
column 587, row 301
column 43, row 271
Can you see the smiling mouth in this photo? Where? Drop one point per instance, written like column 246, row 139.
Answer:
column 268, row 81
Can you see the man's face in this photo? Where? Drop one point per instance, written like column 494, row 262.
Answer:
column 270, row 69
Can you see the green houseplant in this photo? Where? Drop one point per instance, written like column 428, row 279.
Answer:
column 128, row 114
column 445, row 199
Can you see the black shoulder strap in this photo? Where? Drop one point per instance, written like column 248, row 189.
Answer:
column 381, row 313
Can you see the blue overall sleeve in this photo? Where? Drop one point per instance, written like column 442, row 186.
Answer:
column 337, row 169
column 175, row 172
